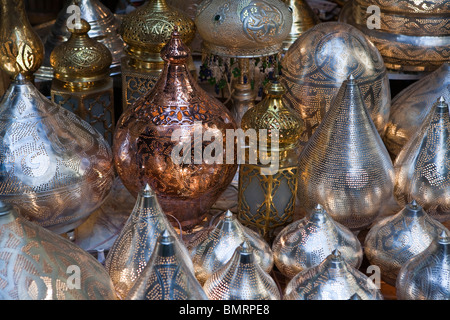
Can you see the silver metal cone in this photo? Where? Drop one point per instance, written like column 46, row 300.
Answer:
column 345, row 165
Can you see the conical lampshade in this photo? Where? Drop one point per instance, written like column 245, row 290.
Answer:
column 136, row 242
column 394, row 240
column 37, row 264
column 345, row 165
column 241, row 278
column 333, row 279
column 55, row 167
column 215, row 246
column 427, row 276
column 411, row 106
column 305, row 243
column 167, row 276
column 421, row 169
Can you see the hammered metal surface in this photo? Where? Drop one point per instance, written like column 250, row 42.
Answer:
column 410, row 107
column 427, row 276
column 241, row 278
column 317, row 63
column 136, row 242
column 305, row 243
column 332, row 279
column 394, row 240
column 345, row 166
column 213, row 247
column 422, row 171
column 53, row 165
column 167, row 275
column 243, row 29
column 143, row 143
column 37, row 264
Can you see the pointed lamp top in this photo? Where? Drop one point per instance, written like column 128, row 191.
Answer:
column 444, row 237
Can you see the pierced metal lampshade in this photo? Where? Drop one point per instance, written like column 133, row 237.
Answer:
column 54, row 166
column 104, row 25
column 213, row 247
column 394, row 240
column 305, row 243
column 345, row 165
column 37, row 264
column 318, row 62
column 427, row 275
column 241, row 278
column 410, row 35
column 422, row 172
column 167, row 276
column 410, row 107
column 332, row 279
column 136, row 242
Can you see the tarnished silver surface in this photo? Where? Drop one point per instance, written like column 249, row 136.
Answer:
column 55, row 167
column 318, row 62
column 333, row 279
column 345, row 166
column 305, row 243
column 167, row 275
column 427, row 276
column 241, row 278
column 37, row 264
column 410, row 107
column 422, row 170
column 104, row 25
column 213, row 247
column 391, row 242
column 136, row 242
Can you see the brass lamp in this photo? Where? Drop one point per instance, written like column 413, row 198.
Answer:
column 266, row 200
column 243, row 30
column 145, row 31
column 82, row 83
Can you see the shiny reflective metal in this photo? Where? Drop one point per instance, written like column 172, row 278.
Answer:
column 345, row 166
column 146, row 31
column 167, row 275
column 104, row 25
column 305, row 243
column 410, row 107
column 212, row 248
column 82, row 83
column 136, row 242
column 303, row 18
column 427, row 276
column 146, row 141
column 332, row 279
column 21, row 49
column 422, row 171
column 54, row 166
column 266, row 201
column 37, row 264
column 315, row 66
column 411, row 35
column 394, row 240
column 243, row 29
column 241, row 278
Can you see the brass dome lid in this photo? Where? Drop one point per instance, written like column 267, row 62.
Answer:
column 243, row 29
column 147, row 29
column 81, row 59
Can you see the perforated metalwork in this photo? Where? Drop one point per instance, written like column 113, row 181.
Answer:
column 345, row 166
column 427, row 276
column 305, row 243
column 333, row 279
column 241, row 278
column 394, row 240
column 167, row 276
column 213, row 247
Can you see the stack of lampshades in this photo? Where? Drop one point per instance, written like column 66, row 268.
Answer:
column 319, row 160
